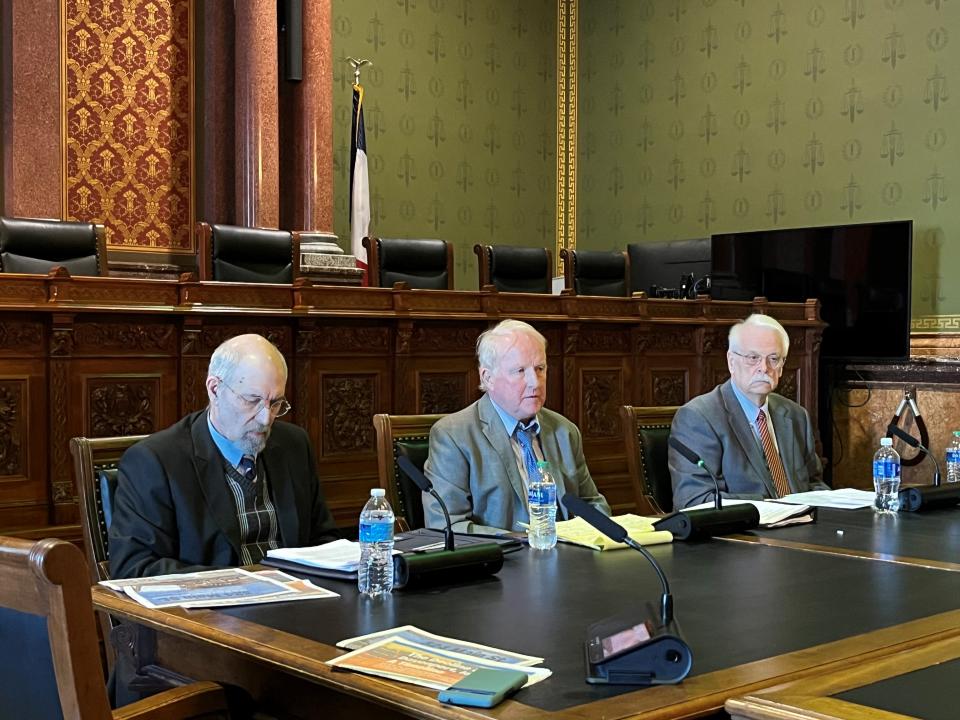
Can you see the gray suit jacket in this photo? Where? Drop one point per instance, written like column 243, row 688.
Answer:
column 474, row 469
column 714, row 426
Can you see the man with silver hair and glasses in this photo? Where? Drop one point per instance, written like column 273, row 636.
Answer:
column 482, row 457
column 759, row 443
column 225, row 484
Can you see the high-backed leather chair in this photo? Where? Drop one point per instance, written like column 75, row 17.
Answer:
column 596, row 272
column 421, row 264
column 29, row 245
column 48, row 644
column 403, row 435
column 515, row 269
column 230, row 253
column 646, row 432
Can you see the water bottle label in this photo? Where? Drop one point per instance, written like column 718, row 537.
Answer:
column 542, row 495
column 376, row 532
column 886, row 469
column 953, row 455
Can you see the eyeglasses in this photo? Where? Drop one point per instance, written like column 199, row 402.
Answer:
column 277, row 408
column 753, row 359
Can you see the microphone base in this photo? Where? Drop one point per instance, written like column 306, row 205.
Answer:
column 446, row 566
column 697, row 524
column 638, row 651
column 914, row 499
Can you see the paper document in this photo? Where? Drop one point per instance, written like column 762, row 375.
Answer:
column 843, row 499
column 399, row 659
column 217, row 588
column 337, row 555
column 439, row 642
column 772, row 514
column 579, row 532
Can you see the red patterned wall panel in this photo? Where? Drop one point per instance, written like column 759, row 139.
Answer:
column 128, row 120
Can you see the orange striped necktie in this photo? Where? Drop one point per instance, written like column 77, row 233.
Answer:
column 772, row 456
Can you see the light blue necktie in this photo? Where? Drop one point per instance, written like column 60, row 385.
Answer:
column 526, row 438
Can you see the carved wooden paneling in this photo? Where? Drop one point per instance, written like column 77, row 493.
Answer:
column 124, row 406
column 13, row 429
column 21, row 337
column 441, row 392
column 344, row 339
column 348, row 404
column 788, row 384
column 213, row 335
column 126, row 338
column 670, row 339
column 461, row 339
column 601, row 397
column 669, row 387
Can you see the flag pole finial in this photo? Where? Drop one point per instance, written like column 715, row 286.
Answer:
column 356, row 64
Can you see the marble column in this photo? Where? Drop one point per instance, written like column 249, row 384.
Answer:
column 257, row 116
column 313, row 109
column 33, row 181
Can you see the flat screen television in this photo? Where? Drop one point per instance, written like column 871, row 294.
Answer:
column 860, row 273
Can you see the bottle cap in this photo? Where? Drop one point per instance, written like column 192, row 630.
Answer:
column 886, row 442
column 543, row 464
column 956, row 433
column 377, row 492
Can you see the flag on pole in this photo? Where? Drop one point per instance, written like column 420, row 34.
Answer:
column 359, row 183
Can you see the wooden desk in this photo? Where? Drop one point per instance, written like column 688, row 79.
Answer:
column 118, row 356
column 917, row 683
column 755, row 616
column 929, row 539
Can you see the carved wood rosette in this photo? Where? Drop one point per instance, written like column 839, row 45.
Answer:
column 441, row 393
column 122, row 406
column 602, row 396
column 669, row 387
column 348, row 404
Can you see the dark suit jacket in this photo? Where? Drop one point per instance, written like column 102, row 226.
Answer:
column 715, row 427
column 174, row 513
column 474, row 469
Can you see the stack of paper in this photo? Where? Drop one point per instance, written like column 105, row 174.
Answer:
column 215, row 588
column 772, row 514
column 342, row 555
column 843, row 499
column 579, row 532
column 415, row 656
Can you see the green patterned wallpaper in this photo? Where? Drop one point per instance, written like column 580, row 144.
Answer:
column 704, row 116
column 460, row 111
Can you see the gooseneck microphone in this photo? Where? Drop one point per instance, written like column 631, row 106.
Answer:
column 622, row 650
column 707, row 522
column 925, row 497
column 451, row 564
column 421, row 481
column 698, row 461
column 914, row 443
column 618, row 533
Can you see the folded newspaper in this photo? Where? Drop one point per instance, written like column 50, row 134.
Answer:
column 218, row 588
column 414, row 656
column 579, row 532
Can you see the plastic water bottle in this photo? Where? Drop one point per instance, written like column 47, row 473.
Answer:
column 953, row 458
column 542, row 498
column 375, row 574
column 886, row 478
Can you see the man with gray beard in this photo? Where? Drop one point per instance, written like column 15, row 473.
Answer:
column 225, row 484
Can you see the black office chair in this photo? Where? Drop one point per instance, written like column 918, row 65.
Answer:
column 48, row 644
column 403, row 435
column 421, row 264
column 515, row 269
column 229, row 253
column 646, row 432
column 596, row 272
column 29, row 245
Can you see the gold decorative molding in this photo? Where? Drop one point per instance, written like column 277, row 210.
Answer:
column 926, row 323
column 566, row 127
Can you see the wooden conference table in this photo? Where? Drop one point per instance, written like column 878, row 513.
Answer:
column 755, row 614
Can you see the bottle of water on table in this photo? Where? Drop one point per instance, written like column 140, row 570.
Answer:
column 953, row 458
column 542, row 498
column 375, row 574
column 886, row 478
